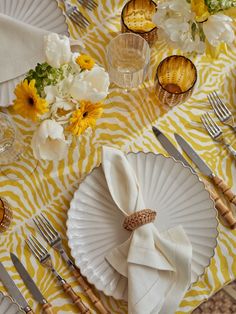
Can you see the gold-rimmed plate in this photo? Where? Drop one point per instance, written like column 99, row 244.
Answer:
column 94, row 223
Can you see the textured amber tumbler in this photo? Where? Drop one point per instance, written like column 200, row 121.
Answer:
column 5, row 215
column 175, row 80
column 136, row 17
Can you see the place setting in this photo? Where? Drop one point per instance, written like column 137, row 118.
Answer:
column 112, row 199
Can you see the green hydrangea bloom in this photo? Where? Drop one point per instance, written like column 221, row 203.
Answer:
column 219, row 5
column 45, row 75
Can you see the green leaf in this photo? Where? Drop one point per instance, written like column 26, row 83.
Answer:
column 219, row 5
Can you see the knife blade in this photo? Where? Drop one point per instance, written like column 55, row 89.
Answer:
column 203, row 167
column 30, row 284
column 13, row 290
column 169, row 147
column 172, row 151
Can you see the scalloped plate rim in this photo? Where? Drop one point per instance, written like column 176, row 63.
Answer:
column 8, row 297
column 19, row 78
column 93, row 282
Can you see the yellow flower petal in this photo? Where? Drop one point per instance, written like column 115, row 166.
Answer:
column 200, row 9
column 28, row 103
column 85, row 62
column 84, row 117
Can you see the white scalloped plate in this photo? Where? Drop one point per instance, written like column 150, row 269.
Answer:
column 43, row 14
column 94, row 224
column 8, row 306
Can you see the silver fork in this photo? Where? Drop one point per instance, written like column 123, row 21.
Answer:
column 88, row 4
column 221, row 110
column 215, row 132
column 76, row 16
column 41, row 253
column 53, row 238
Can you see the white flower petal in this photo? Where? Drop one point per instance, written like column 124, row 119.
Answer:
column 218, row 29
column 49, row 142
column 57, row 50
column 91, row 85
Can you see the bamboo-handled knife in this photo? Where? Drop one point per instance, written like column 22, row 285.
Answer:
column 13, row 290
column 30, row 284
column 204, row 169
column 171, row 149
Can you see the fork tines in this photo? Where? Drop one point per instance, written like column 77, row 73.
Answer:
column 88, row 4
column 46, row 228
column 213, row 129
column 76, row 16
column 221, row 110
column 36, row 248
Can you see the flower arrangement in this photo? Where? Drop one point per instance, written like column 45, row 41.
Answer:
column 195, row 25
column 63, row 95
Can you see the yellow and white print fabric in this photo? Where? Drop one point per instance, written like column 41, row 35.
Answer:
column 126, row 124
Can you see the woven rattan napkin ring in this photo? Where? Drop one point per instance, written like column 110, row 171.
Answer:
column 138, row 219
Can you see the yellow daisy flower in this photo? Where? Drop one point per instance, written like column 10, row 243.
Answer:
column 28, row 103
column 85, row 62
column 200, row 9
column 85, row 117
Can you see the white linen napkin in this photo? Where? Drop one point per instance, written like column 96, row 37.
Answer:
column 21, row 47
column 158, row 266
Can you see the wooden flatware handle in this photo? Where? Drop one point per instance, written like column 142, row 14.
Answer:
column 47, row 308
column 75, row 298
column 30, row 312
column 225, row 189
column 223, row 210
column 88, row 290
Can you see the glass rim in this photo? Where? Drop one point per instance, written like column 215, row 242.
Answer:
column 147, row 59
column 13, row 131
column 130, row 30
column 187, row 59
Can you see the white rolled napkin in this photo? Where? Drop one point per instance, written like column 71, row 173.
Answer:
column 21, row 47
column 157, row 265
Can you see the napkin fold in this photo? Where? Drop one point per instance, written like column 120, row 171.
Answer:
column 21, row 47
column 158, row 266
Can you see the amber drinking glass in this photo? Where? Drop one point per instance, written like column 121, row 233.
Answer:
column 5, row 215
column 136, row 17
column 175, row 79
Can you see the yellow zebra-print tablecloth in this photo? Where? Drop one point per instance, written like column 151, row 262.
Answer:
column 126, row 124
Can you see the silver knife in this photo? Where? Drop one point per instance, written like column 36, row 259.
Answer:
column 203, row 167
column 30, row 284
column 13, row 290
column 169, row 147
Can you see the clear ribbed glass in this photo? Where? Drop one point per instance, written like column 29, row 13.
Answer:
column 11, row 146
column 128, row 57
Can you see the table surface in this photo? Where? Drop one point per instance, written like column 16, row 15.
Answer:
column 126, row 124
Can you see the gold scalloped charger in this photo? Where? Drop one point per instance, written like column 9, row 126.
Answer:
column 94, row 224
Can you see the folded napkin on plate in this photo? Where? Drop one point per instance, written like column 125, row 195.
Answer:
column 157, row 265
column 22, row 47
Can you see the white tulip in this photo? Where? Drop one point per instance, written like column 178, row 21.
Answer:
column 61, row 90
column 91, row 85
column 57, row 50
column 49, row 142
column 76, row 68
column 218, row 28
